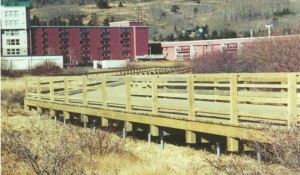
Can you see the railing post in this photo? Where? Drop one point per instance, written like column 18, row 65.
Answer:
column 292, row 100
column 84, row 90
column 191, row 98
column 26, row 87
column 154, row 95
column 66, row 84
column 233, row 99
column 51, row 88
column 39, row 89
column 104, row 92
column 128, row 92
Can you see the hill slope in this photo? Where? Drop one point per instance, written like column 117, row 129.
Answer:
column 219, row 15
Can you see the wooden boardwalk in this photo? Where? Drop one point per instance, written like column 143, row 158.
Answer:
column 226, row 108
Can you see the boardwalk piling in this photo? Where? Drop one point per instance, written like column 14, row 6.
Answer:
column 149, row 137
column 55, row 120
column 218, row 149
column 161, row 133
column 124, row 133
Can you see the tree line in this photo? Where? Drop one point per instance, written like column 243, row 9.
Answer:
column 71, row 21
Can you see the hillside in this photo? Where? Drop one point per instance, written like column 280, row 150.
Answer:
column 219, row 15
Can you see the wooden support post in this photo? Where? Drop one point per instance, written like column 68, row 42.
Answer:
column 128, row 93
column 66, row 117
column 84, row 90
column 39, row 110
column 39, row 88
column 154, row 95
column 85, row 120
column 26, row 107
column 104, row 122
column 154, row 130
column 259, row 154
column 232, row 144
column 292, row 100
column 190, row 137
column 66, row 84
column 128, row 126
column 26, row 87
column 52, row 113
column 191, row 98
column 233, row 99
column 104, row 92
column 51, row 89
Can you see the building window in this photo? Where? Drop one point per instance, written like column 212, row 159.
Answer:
column 13, row 51
column 12, row 33
column 11, row 13
column 13, row 42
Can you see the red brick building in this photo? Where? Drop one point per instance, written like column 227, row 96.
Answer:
column 83, row 44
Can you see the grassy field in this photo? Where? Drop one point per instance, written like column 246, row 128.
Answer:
column 31, row 143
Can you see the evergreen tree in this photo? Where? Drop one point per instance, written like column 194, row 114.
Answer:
column 106, row 22
column 35, row 21
column 57, row 22
column 112, row 19
column 214, row 35
column 121, row 4
column 94, row 20
column 103, row 4
column 160, row 37
column 174, row 8
column 75, row 21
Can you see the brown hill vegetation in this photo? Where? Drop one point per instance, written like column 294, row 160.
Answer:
column 219, row 15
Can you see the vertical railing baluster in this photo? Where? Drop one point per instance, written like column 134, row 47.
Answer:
column 233, row 99
column 292, row 99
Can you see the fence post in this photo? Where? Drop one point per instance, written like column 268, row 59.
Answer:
column 292, row 100
column 66, row 84
column 26, row 87
column 39, row 89
column 128, row 92
column 191, row 98
column 51, row 88
column 154, row 95
column 104, row 93
column 233, row 99
column 84, row 90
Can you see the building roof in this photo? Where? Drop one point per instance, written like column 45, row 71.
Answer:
column 16, row 4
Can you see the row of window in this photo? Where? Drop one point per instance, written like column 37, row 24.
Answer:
column 12, row 33
column 13, row 51
column 11, row 23
column 11, row 13
column 13, row 42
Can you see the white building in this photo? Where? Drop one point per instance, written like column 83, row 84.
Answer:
column 15, row 24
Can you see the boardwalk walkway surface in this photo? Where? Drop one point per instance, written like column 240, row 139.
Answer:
column 229, row 106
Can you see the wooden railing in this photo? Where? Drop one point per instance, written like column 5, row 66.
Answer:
column 236, row 99
column 137, row 71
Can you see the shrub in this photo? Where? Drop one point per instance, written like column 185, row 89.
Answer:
column 215, row 62
column 282, row 148
column 47, row 68
column 49, row 150
column 174, row 8
column 12, row 101
column 270, row 55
